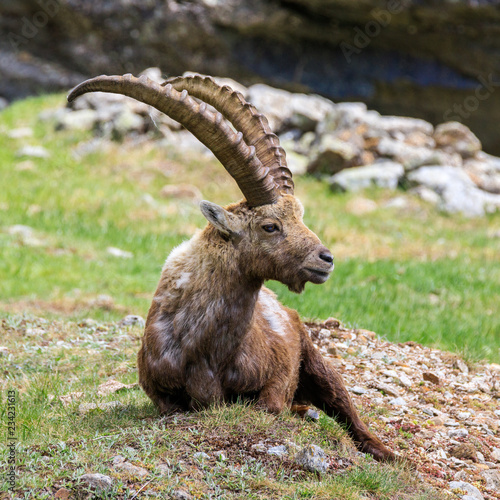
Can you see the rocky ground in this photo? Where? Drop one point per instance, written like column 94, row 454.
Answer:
column 439, row 412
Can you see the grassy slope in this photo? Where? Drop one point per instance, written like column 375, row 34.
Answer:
column 57, row 442
column 408, row 274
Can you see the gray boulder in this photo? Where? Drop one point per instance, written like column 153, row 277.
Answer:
column 484, row 171
column 457, row 191
column 413, row 156
column 80, row 119
column 471, row 491
column 398, row 126
column 285, row 109
column 333, row 155
column 456, row 137
column 385, row 174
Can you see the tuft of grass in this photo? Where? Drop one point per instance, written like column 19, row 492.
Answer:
column 408, row 274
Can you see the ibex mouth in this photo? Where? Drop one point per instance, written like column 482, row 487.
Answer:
column 318, row 275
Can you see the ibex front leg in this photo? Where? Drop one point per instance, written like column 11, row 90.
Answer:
column 321, row 385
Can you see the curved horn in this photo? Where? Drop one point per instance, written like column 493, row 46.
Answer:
column 245, row 117
column 239, row 159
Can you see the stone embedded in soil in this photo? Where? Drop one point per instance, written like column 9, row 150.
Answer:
column 492, row 478
column 431, row 377
column 470, row 490
column 33, row 152
column 181, row 495
column 132, row 319
column 386, row 388
column 111, row 405
column 62, row 494
column 458, row 433
column 279, row 450
column 358, row 390
column 112, row 386
column 259, row 447
column 464, row 451
column 131, row 469
column 99, row 482
column 312, row 458
column 398, row 402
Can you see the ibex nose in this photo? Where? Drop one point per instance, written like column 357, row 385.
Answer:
column 326, row 256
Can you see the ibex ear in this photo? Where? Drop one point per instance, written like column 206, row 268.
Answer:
column 220, row 218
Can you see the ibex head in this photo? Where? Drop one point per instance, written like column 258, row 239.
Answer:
column 267, row 227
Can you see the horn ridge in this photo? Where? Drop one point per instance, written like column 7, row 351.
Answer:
column 245, row 117
column 237, row 157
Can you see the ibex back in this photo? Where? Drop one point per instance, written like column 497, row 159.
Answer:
column 214, row 331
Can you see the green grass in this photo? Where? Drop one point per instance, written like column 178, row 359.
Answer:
column 411, row 274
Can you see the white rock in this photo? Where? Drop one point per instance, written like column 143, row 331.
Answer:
column 492, row 478
column 458, row 433
column 426, row 194
column 495, row 454
column 405, row 381
column 279, row 450
column 412, row 157
column 457, row 192
column 282, row 107
column 81, row 119
column 400, row 124
column 358, row 390
column 397, row 402
column 132, row 319
column 386, row 174
column 33, row 152
column 471, row 490
column 20, row 133
column 117, row 252
column 21, row 230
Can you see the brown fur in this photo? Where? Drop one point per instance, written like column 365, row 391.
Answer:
column 215, row 332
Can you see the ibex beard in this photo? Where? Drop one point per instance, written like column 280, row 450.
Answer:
column 214, row 331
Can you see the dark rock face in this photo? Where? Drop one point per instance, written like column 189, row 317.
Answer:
column 435, row 60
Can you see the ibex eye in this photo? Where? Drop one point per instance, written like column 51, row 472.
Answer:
column 270, row 228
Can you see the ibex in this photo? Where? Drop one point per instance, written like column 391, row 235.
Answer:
column 214, row 331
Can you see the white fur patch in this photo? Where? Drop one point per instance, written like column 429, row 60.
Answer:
column 273, row 313
column 178, row 251
column 183, row 280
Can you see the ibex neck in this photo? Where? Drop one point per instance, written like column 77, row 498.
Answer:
column 209, row 298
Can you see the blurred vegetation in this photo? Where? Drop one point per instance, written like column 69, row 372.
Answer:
column 407, row 273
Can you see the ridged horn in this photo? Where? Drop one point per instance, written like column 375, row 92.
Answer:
column 244, row 117
column 237, row 157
